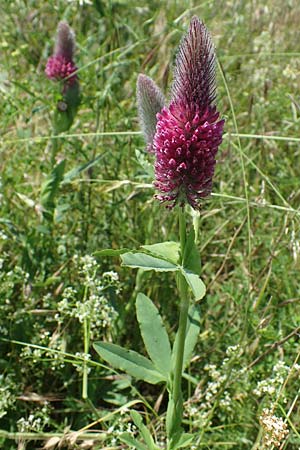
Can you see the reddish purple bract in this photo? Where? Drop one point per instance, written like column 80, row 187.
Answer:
column 186, row 143
column 188, row 131
column 60, row 66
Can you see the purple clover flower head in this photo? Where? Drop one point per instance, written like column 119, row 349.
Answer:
column 186, row 143
column 60, row 66
column 188, row 132
column 150, row 101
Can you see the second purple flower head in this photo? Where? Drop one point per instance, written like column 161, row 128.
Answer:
column 60, row 66
column 186, row 134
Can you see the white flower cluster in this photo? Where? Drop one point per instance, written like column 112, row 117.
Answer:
column 7, row 398
column 291, row 73
column 87, row 266
column 203, row 399
column 271, row 385
column 57, row 358
column 122, row 427
column 3, row 236
column 214, row 385
column 233, row 350
column 81, row 2
column 35, row 422
column 296, row 367
column 9, row 281
column 11, row 278
column 79, row 366
column 35, row 354
column 93, row 304
column 29, row 424
column 275, row 428
column 56, row 344
column 295, row 245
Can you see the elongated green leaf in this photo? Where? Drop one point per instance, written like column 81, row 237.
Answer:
column 191, row 336
column 146, row 435
column 69, row 176
column 62, row 119
column 129, row 361
column 111, row 252
column 169, row 416
column 191, row 257
column 173, row 421
column 185, row 440
column 167, row 250
column 196, row 284
column 131, row 441
column 193, row 329
column 147, row 262
column 50, row 189
column 48, row 282
column 154, row 334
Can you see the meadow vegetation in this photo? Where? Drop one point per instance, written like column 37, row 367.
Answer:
column 242, row 385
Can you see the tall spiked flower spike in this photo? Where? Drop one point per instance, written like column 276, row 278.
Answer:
column 60, row 66
column 188, row 131
column 150, row 101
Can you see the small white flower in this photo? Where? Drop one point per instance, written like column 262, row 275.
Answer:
column 275, row 428
column 81, row 2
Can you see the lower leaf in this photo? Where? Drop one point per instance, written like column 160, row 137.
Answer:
column 128, row 439
column 145, row 433
column 129, row 361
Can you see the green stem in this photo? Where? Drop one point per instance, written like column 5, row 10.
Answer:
column 86, row 346
column 184, row 308
column 54, row 149
column 182, row 231
column 55, row 141
column 86, row 352
column 176, row 390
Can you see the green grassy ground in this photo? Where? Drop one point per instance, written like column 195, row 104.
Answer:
column 247, row 356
